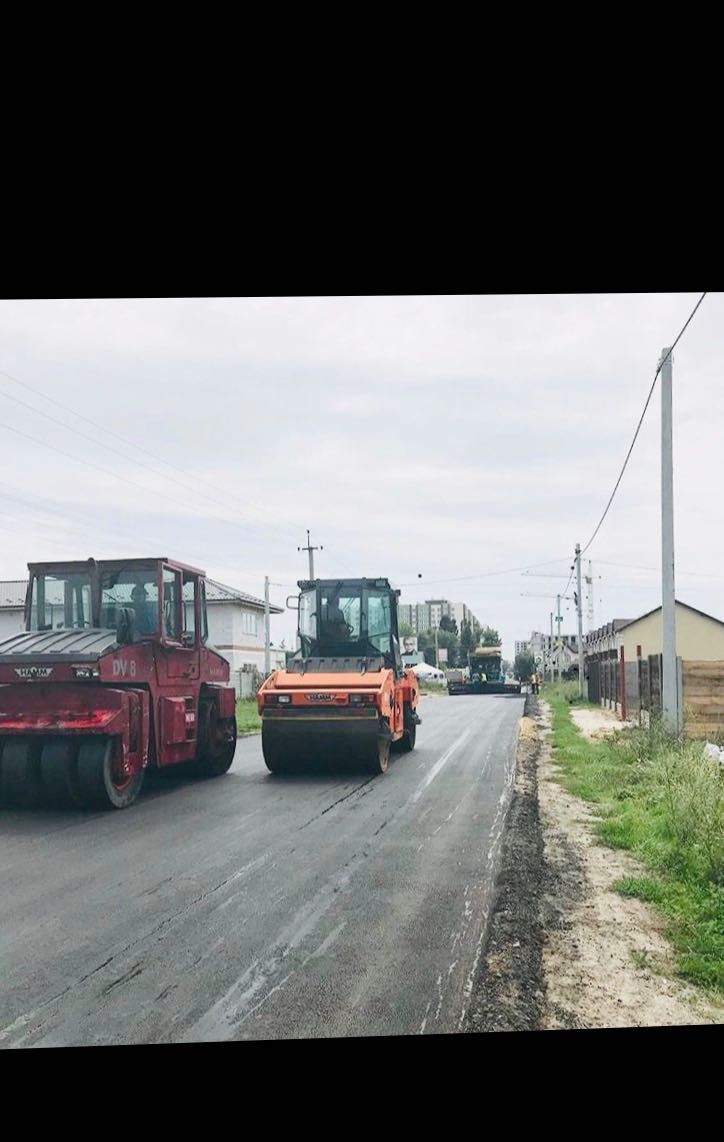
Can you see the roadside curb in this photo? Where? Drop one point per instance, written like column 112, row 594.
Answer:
column 509, row 990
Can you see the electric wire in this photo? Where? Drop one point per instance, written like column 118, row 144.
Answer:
column 641, row 420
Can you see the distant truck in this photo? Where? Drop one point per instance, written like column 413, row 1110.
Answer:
column 484, row 674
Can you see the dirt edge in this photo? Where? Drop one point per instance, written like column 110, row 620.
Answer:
column 508, row 993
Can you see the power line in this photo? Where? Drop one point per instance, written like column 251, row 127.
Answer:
column 641, row 420
column 164, row 496
column 108, row 448
column 657, row 570
column 480, row 574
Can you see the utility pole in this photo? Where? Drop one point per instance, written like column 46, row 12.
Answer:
column 579, row 610
column 669, row 703
column 267, row 641
column 437, row 663
column 310, row 549
column 589, row 587
column 267, row 631
column 559, row 620
column 550, row 653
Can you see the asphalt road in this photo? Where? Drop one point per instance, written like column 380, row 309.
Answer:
column 262, row 907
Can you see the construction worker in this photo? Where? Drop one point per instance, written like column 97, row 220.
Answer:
column 334, row 626
column 145, row 613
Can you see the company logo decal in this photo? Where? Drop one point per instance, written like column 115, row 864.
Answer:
column 33, row 671
column 319, row 697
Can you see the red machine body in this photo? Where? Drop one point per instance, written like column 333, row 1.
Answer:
column 111, row 675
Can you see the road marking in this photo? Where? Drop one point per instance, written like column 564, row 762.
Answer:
column 441, row 762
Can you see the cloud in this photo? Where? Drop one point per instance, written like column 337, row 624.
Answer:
column 436, row 434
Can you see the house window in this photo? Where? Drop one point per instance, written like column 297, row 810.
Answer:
column 249, row 622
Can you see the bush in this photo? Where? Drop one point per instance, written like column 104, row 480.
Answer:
column 662, row 798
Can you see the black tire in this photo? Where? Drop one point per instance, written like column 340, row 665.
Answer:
column 407, row 741
column 217, row 741
column 273, row 759
column 20, row 782
column 99, row 784
column 381, row 756
column 59, row 771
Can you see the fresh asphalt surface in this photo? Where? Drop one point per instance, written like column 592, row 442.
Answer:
column 262, row 907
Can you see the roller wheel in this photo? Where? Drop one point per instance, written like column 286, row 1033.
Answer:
column 381, row 756
column 20, row 782
column 408, row 738
column 101, row 782
column 58, row 768
column 217, row 741
column 272, row 754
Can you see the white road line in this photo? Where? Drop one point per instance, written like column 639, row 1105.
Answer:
column 441, row 762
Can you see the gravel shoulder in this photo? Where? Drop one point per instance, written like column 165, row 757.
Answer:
column 564, row 950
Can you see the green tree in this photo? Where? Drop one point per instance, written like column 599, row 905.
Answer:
column 406, row 630
column 446, row 623
column 467, row 640
column 524, row 665
column 445, row 638
column 489, row 637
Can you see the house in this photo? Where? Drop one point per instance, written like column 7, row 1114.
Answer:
column 623, row 658
column 12, row 604
column 698, row 636
column 236, row 626
column 236, row 630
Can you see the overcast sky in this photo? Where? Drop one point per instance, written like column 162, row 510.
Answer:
column 445, row 436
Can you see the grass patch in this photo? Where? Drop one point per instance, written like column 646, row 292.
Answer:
column 660, row 798
column 247, row 716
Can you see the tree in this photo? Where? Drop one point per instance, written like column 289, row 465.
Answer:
column 489, row 637
column 524, row 665
column 506, row 666
column 406, row 630
column 445, row 638
column 467, row 640
column 446, row 623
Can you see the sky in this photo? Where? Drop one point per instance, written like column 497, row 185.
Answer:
column 429, row 439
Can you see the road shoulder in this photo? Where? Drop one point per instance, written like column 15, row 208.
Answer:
column 563, row 949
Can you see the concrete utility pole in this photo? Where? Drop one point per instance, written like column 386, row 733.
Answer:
column 267, row 641
column 437, row 663
column 559, row 620
column 310, row 549
column 550, row 653
column 589, row 587
column 579, row 609
column 669, row 704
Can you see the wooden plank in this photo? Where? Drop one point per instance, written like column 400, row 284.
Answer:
column 703, row 707
column 703, row 692
column 715, row 668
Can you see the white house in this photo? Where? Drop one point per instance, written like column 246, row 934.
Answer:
column 236, row 626
column 236, row 630
column 12, row 602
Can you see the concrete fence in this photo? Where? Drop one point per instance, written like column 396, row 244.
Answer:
column 633, row 690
